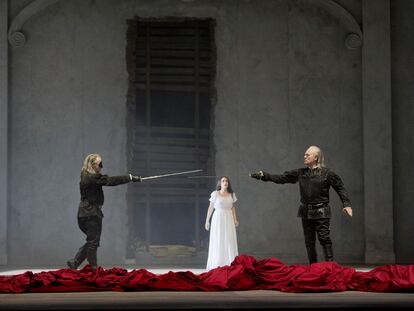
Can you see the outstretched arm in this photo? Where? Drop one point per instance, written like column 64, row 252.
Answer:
column 105, row 180
column 290, row 177
column 209, row 213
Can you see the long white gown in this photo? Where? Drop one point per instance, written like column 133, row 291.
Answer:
column 223, row 239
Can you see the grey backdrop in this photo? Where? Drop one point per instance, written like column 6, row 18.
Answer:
column 284, row 81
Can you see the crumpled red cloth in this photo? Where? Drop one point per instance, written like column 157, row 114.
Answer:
column 245, row 273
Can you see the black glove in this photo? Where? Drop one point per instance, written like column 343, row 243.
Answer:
column 257, row 175
column 136, row 178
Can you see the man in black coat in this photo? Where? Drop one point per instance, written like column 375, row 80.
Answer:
column 90, row 208
column 315, row 181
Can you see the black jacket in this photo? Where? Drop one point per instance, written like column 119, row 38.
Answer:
column 314, row 190
column 92, row 197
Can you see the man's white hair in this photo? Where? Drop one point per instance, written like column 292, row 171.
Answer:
column 319, row 154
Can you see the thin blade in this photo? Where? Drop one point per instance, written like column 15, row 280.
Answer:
column 171, row 174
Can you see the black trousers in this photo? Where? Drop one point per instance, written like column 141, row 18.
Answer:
column 92, row 227
column 320, row 228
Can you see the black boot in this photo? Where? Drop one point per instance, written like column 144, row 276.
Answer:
column 93, row 258
column 72, row 264
column 79, row 258
column 327, row 250
column 312, row 255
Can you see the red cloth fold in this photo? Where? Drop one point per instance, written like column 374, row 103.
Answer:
column 245, row 273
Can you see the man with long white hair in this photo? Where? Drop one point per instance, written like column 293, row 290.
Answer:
column 315, row 181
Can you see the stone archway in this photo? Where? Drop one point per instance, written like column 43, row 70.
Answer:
column 354, row 39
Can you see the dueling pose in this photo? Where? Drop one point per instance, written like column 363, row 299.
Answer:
column 315, row 181
column 90, row 208
column 223, row 239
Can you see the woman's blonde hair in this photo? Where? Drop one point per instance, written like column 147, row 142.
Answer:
column 88, row 162
column 319, row 154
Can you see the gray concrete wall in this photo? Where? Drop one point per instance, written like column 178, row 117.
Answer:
column 67, row 100
column 297, row 85
column 3, row 130
column 377, row 131
column 402, row 32
column 284, row 81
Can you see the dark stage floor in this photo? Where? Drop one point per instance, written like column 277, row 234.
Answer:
column 261, row 299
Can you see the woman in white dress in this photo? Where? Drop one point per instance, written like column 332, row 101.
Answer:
column 223, row 239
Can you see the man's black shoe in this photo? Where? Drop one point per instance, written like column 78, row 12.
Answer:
column 71, row 264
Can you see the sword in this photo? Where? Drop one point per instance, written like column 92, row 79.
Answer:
column 171, row 174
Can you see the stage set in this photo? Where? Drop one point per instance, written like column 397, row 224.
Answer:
column 174, row 134
column 246, row 284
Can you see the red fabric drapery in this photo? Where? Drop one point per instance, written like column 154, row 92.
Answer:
column 245, row 273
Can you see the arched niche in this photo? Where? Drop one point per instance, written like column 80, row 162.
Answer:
column 353, row 40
